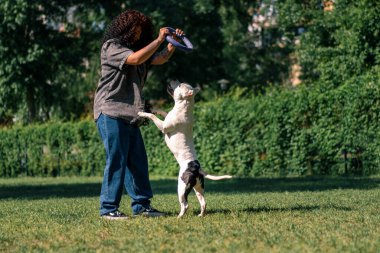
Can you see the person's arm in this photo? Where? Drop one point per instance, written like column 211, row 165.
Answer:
column 145, row 53
column 164, row 56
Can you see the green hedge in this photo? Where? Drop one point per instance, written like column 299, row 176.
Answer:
column 51, row 149
column 291, row 132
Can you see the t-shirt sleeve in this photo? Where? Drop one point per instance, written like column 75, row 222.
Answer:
column 117, row 54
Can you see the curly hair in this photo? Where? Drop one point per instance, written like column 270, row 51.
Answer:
column 122, row 28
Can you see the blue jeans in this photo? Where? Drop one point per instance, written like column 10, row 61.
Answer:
column 126, row 164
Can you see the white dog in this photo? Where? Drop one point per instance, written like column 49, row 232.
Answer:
column 178, row 130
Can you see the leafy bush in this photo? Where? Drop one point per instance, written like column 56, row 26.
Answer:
column 315, row 130
column 51, row 150
column 337, row 44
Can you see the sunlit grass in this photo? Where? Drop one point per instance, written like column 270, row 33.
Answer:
column 245, row 215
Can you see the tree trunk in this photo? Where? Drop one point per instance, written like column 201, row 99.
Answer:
column 30, row 102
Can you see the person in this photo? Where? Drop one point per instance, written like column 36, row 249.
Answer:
column 128, row 51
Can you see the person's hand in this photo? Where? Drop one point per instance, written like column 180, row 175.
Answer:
column 162, row 34
column 178, row 33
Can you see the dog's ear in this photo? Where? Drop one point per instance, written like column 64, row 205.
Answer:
column 174, row 83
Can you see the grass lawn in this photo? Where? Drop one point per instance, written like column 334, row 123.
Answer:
column 244, row 215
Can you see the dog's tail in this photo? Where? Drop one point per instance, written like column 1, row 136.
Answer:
column 212, row 177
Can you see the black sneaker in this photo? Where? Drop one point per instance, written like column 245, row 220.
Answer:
column 116, row 215
column 150, row 212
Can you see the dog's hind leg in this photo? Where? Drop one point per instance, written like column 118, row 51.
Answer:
column 182, row 197
column 199, row 192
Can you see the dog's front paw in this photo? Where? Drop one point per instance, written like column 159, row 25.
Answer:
column 143, row 114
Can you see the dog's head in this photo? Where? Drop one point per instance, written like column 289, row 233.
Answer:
column 181, row 91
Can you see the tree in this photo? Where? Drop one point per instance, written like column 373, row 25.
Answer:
column 341, row 40
column 39, row 48
column 50, row 57
column 254, row 54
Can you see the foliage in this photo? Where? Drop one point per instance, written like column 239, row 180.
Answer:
column 52, row 149
column 337, row 44
column 41, row 60
column 305, row 131
column 245, row 215
column 47, row 72
column 328, row 125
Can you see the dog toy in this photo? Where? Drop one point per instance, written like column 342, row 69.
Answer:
column 187, row 47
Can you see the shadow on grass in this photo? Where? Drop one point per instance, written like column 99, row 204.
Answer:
column 169, row 186
column 24, row 191
column 247, row 185
column 265, row 209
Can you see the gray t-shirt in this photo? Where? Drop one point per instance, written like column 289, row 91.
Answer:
column 119, row 91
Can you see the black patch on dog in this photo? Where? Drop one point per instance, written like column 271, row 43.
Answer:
column 191, row 175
